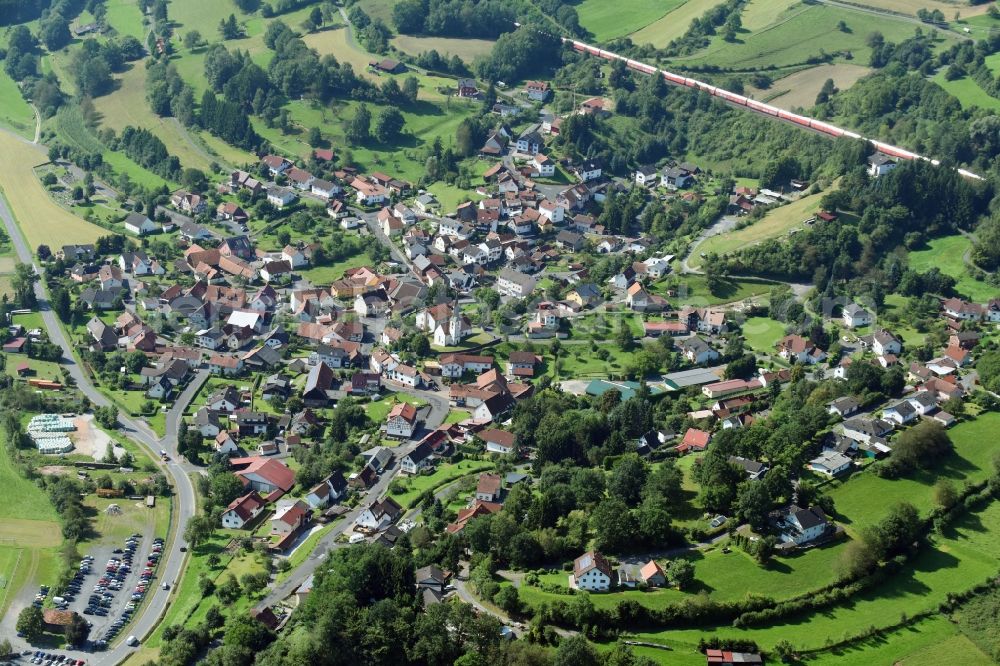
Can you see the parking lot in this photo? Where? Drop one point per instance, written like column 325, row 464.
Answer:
column 110, row 585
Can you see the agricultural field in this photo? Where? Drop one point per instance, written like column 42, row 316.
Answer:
column 931, row 642
column 39, row 217
column 776, row 222
column 609, row 20
column 29, row 533
column 800, row 33
column 799, row 90
column 466, row 49
column 948, row 254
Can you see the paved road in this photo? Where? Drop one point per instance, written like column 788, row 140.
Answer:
column 172, row 564
column 439, row 410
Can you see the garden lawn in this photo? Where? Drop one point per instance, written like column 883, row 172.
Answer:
column 609, row 20
column 449, row 196
column 457, row 416
column 444, row 473
column 762, row 333
column 39, row 369
column 964, row 557
column 693, row 290
column 324, row 275
column 948, row 254
column 910, row 336
column 576, row 361
column 776, row 222
column 39, row 217
column 865, row 498
column 378, row 410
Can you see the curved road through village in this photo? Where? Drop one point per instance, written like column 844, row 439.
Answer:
column 172, row 564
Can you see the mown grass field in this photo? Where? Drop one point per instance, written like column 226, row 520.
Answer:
column 608, row 20
column 15, row 113
column 800, row 33
column 911, row 6
column 967, row 92
column 672, row 25
column 29, row 533
column 931, row 642
column 761, row 333
column 466, row 49
column 126, row 17
column 947, row 254
column 800, row 89
column 864, row 499
column 776, row 222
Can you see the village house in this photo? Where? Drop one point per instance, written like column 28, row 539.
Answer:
column 455, row 365
column 880, row 164
column 139, row 224
column 514, row 284
column 697, row 351
column 243, row 510
column 537, row 91
column 855, row 316
column 498, row 441
column 289, row 516
column 279, row 197
column 830, row 464
column 801, row 526
column 592, row 573
column 401, row 421
column 380, row 514
column 796, row 349
column 489, row 488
